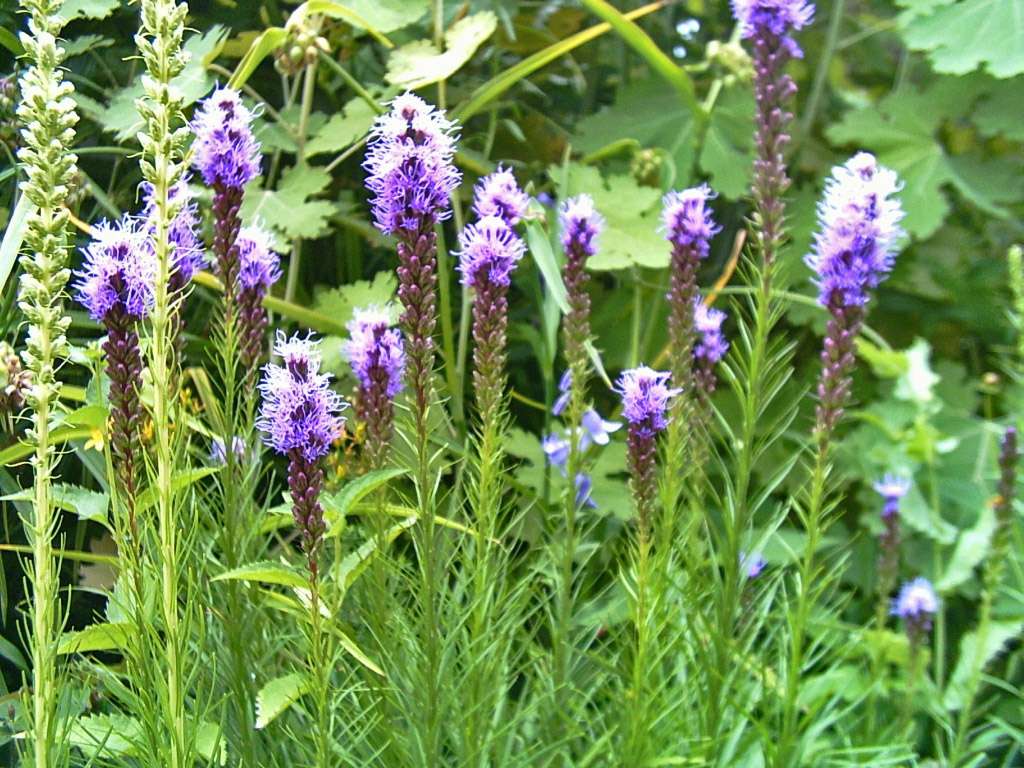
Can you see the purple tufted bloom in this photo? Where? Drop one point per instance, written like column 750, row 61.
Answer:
column 581, row 224
column 687, row 221
column 858, row 220
column 119, row 270
column 565, row 390
column 226, row 153
column 892, row 489
column 409, row 162
column 774, row 17
column 645, row 399
column 596, row 430
column 189, row 253
column 1002, row 539
column 300, row 414
column 916, row 604
column 711, row 344
column 499, row 195
column 853, row 252
column 377, row 357
column 258, row 268
column 490, row 251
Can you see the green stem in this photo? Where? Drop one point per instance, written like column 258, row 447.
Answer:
column 308, row 91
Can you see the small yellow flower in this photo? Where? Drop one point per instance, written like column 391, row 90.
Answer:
column 95, row 440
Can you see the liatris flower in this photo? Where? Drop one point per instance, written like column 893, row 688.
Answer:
column 916, row 604
column 1009, row 455
column 753, row 564
column 581, row 226
column 116, row 287
column 853, row 252
column 892, row 489
column 227, row 156
column 375, row 352
column 767, row 24
column 189, row 255
column 490, row 251
column 300, row 418
column 646, row 397
column 711, row 345
column 258, row 269
column 689, row 227
column 411, row 176
column 499, row 195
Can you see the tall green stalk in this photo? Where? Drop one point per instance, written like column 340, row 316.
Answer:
column 47, row 115
column 159, row 42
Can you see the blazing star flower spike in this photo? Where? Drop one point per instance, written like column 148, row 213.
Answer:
column 773, row 17
column 645, row 399
column 119, row 270
column 259, row 267
column 916, row 602
column 687, row 219
column 499, row 195
column 300, row 413
column 226, row 152
column 374, row 349
column 409, row 166
column 711, row 343
column 490, row 251
column 858, row 221
column 189, row 252
column 581, row 224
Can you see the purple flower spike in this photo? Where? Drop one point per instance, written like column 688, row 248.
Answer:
column 119, row 271
column 226, row 152
column 490, row 251
column 858, row 217
column 377, row 357
column 581, row 225
column 892, row 489
column 711, row 345
column 916, row 604
column 687, row 221
column 499, row 195
column 300, row 415
column 409, row 163
column 645, row 399
column 259, row 267
column 774, row 17
column 595, row 429
column 189, row 254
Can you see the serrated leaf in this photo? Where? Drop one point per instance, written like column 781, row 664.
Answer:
column 630, row 237
column 288, row 210
column 340, row 303
column 266, row 572
column 106, row 735
column 279, row 694
column 86, row 43
column 971, row 655
column 342, row 130
column 87, row 504
column 95, row 637
column 727, row 154
column 420, row 63
column 389, row 15
column 972, row 546
column 965, row 35
column 999, row 114
column 88, row 9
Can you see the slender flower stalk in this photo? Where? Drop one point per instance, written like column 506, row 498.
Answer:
column 916, row 604
column 47, row 118
column 411, row 175
column 646, row 400
column 259, row 267
column 892, row 489
column 853, row 252
column 159, row 39
column 581, row 226
column 377, row 357
column 1000, row 552
column 116, row 286
column 688, row 226
column 300, row 417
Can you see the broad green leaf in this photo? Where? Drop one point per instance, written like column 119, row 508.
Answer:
column 630, row 238
column 544, row 256
column 342, row 11
column 341, row 503
column 340, row 303
column 389, row 15
column 727, row 153
column 342, row 130
column 420, row 63
column 265, row 43
column 14, row 235
column 180, row 481
column 971, row 655
column 21, row 451
column 210, row 743
column 10, row 651
column 972, row 547
column 88, row 9
column 106, row 735
column 87, row 504
column 266, row 572
column 962, row 36
column 917, row 384
column 288, row 209
column 11, row 42
column 279, row 694
column 999, row 112
column 95, row 637
column 86, row 43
